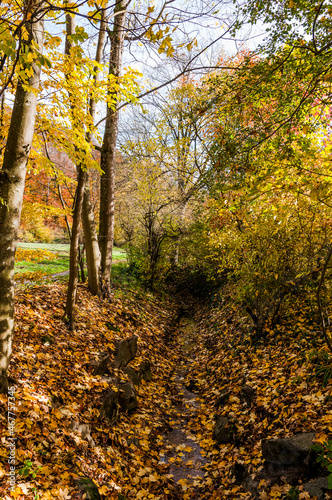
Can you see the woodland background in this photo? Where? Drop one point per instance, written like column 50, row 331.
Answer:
column 196, row 137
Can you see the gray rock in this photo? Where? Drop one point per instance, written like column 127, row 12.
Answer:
column 223, row 398
column 317, row 487
column 224, row 430
column 133, row 441
column 88, row 488
column 125, row 351
column 240, row 472
column 294, row 450
column 127, row 397
column 101, row 366
column 242, row 476
column 145, row 370
column 110, row 408
column 247, row 394
column 133, row 374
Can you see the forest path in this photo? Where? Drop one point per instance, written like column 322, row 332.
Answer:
column 182, row 451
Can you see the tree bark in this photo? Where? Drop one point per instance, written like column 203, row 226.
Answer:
column 88, row 221
column 73, row 259
column 107, row 181
column 183, row 207
column 91, row 242
column 81, row 251
column 78, row 204
column 12, row 179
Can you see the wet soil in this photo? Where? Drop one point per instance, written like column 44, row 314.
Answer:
column 184, row 454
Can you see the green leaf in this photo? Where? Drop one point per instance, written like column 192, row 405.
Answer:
column 329, row 479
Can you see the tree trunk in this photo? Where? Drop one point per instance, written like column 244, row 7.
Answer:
column 81, row 250
column 78, row 204
column 107, row 181
column 88, row 221
column 12, row 178
column 91, row 242
column 179, row 237
column 73, row 259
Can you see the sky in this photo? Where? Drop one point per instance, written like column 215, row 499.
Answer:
column 202, row 20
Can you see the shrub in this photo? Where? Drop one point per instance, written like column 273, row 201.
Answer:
column 37, row 255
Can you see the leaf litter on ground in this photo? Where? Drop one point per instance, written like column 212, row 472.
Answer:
column 53, row 388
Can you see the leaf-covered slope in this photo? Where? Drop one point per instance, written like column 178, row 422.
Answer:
column 289, row 372
column 53, row 388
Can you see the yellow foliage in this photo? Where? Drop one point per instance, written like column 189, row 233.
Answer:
column 38, row 255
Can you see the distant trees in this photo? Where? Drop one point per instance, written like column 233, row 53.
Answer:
column 65, row 114
column 203, row 178
column 167, row 163
column 244, row 154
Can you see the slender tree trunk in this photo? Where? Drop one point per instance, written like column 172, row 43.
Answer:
column 179, row 237
column 107, row 182
column 88, row 221
column 73, row 259
column 91, row 242
column 78, row 204
column 58, row 187
column 2, row 114
column 81, row 250
column 12, row 179
column 63, row 206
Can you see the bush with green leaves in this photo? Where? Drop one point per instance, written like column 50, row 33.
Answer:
column 269, row 248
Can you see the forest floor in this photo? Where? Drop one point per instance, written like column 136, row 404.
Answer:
column 165, row 449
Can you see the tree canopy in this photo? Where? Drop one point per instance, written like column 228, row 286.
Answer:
column 136, row 124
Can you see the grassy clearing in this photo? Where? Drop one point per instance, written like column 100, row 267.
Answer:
column 122, row 277
column 119, row 254
column 35, row 260
column 62, row 248
column 60, row 264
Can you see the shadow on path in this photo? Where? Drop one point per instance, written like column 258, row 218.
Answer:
column 183, row 452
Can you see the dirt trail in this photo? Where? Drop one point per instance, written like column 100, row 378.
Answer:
column 184, row 454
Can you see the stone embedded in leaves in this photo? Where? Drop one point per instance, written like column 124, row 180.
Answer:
column 88, row 488
column 127, row 397
column 110, row 409
column 223, row 397
column 99, row 367
column 145, row 371
column 247, row 394
column 317, row 487
column 224, row 430
column 133, row 374
column 125, row 351
column 291, row 451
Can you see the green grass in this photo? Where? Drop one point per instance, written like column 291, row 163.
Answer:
column 120, row 276
column 46, row 266
column 62, row 248
column 119, row 254
column 60, row 262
